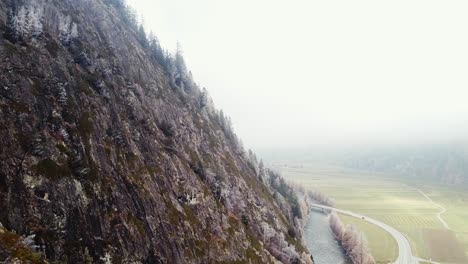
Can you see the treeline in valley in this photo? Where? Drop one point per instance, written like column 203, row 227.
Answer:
column 352, row 241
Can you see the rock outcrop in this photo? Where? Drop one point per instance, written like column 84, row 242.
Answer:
column 110, row 153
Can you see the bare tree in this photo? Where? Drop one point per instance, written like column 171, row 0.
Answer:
column 321, row 198
column 352, row 241
column 26, row 22
column 337, row 226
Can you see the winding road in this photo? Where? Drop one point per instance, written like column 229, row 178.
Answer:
column 405, row 255
column 442, row 209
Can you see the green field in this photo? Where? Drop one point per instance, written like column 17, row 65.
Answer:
column 394, row 202
column 386, row 250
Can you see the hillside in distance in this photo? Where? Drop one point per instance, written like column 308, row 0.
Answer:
column 440, row 163
column 112, row 154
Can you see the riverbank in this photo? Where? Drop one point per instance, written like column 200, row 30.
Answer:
column 320, row 241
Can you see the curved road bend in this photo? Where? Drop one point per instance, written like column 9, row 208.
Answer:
column 405, row 255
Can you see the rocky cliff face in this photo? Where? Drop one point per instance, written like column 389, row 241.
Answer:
column 111, row 154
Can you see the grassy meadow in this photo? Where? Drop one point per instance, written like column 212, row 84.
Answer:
column 393, row 202
column 386, row 250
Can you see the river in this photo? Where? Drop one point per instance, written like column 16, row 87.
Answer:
column 320, row 241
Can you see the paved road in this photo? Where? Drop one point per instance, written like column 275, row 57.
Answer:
column 405, row 255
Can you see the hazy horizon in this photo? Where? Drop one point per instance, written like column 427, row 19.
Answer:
column 303, row 73
column 338, row 132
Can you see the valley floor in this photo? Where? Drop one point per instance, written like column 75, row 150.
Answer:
column 414, row 208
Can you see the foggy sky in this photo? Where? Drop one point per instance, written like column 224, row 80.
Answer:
column 305, row 72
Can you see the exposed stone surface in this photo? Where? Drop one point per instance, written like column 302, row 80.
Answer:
column 107, row 158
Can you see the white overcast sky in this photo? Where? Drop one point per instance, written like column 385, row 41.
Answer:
column 300, row 72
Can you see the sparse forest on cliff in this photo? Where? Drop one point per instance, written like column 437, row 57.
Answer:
column 111, row 153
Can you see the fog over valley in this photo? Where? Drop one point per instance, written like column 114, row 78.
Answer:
column 300, row 73
column 234, row 132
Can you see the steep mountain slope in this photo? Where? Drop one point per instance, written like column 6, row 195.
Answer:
column 111, row 153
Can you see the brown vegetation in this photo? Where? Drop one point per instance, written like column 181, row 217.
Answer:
column 354, row 243
column 444, row 246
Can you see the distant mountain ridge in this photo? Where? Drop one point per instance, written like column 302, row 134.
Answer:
column 443, row 163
